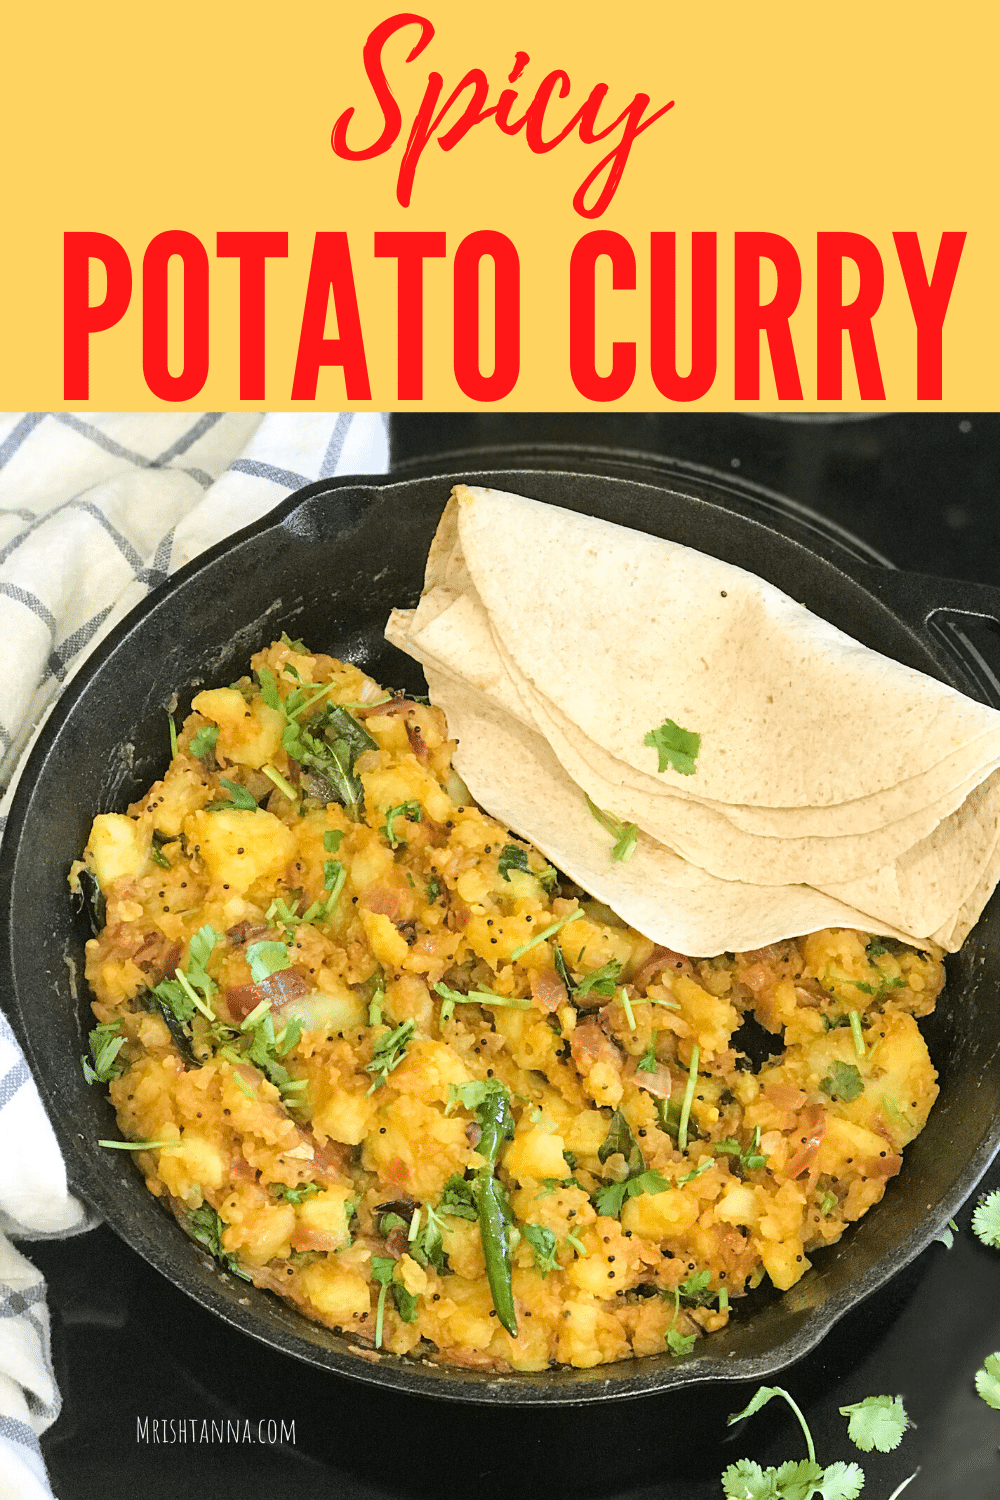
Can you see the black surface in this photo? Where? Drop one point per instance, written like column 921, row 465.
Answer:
column 129, row 1344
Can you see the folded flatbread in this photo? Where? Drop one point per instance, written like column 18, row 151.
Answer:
column 832, row 785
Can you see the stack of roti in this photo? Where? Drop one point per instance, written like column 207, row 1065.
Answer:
column 780, row 776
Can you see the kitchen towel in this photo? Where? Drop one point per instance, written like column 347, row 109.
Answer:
column 96, row 510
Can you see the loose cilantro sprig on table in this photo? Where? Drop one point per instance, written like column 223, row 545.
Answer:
column 988, row 1381
column 877, row 1422
column 986, row 1219
column 675, row 747
column 625, row 835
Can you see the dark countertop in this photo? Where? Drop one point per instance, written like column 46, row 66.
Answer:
column 128, row 1346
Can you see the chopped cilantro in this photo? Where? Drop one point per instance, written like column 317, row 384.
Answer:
column 390, row 1050
column 456, row 1198
column 541, row 937
column 512, row 858
column 827, row 1204
column 297, row 646
column 203, row 740
column 626, row 835
column 173, row 736
column 694, row 1173
column 573, row 1238
column 600, row 981
column 433, row 888
column 451, row 998
column 267, row 958
column 988, row 1381
column 297, row 1194
column 648, row 1064
column 674, row 746
column 843, row 1082
column 877, row 1422
column 472, row 1095
column 680, row 1344
column 692, row 1081
column 749, row 1155
column 239, row 798
column 192, row 990
column 382, row 1269
column 332, row 840
column 411, row 811
column 986, row 1219
column 947, row 1235
column 158, row 857
column 139, row 1145
column 205, row 1225
column 543, row 1246
column 406, row 1302
column 876, row 947
column 105, row 1044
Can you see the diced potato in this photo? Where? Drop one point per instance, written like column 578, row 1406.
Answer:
column 387, row 943
column 658, row 1215
column 249, row 734
column 326, row 1212
column 195, row 1160
column 535, row 1152
column 784, row 1262
column 238, row 847
column 346, row 1117
column 337, row 1293
column 118, row 846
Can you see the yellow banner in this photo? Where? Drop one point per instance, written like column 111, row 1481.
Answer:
column 725, row 206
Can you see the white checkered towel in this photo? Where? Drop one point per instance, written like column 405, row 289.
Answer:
column 94, row 512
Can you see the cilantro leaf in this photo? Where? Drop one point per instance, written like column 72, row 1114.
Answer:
column 105, row 1044
column 625, row 835
column 203, row 740
column 797, row 1481
column 745, row 1480
column 947, row 1235
column 696, row 1284
column 675, row 747
column 648, row 1064
column 877, row 1422
column 986, row 1219
column 433, row 888
column 601, row 981
column 411, row 811
column 988, row 1381
column 332, row 840
column 267, row 958
column 609, row 1199
column 843, row 1082
column 406, row 1302
column 456, row 1198
column 205, row 1226
column 472, row 1095
column 298, row 1194
column 389, row 1052
column 239, row 798
column 543, row 1246
column 679, row 1344
column 512, row 858
column 842, row 1482
column 296, row 646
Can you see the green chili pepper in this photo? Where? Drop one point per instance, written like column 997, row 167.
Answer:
column 490, row 1197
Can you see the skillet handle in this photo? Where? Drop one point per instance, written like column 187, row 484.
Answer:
column 921, row 597
column 936, row 610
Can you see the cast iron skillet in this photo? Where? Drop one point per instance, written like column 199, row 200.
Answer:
column 327, row 565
